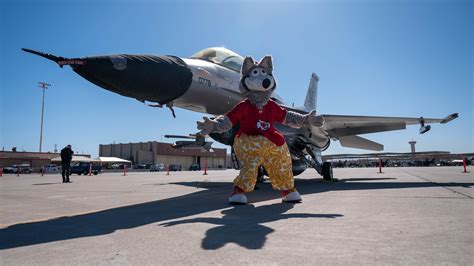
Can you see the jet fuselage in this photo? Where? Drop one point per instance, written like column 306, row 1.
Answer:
column 208, row 82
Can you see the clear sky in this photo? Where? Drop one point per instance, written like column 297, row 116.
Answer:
column 384, row 58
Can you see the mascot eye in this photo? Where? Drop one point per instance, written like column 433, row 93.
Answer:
column 263, row 71
column 254, row 72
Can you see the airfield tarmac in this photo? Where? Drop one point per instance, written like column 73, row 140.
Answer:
column 403, row 216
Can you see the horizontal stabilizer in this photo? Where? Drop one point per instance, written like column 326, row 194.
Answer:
column 360, row 143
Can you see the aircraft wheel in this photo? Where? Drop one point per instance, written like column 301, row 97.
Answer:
column 327, row 172
column 261, row 175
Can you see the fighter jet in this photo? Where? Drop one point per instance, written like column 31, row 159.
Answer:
column 208, row 82
column 199, row 142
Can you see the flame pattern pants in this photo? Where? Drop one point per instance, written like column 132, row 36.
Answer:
column 253, row 151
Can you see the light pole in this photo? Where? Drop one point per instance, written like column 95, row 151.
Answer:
column 44, row 86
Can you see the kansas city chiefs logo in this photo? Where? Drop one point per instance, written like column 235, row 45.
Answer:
column 262, row 125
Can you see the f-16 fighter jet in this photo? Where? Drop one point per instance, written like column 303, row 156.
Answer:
column 208, row 82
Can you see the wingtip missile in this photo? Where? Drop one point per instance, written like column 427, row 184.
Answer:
column 449, row 118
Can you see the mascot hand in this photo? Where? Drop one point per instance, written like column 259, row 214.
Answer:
column 206, row 127
column 314, row 120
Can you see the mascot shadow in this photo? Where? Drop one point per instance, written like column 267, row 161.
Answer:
column 243, row 225
column 211, row 196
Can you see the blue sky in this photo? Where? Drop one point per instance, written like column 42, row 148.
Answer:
column 383, row 58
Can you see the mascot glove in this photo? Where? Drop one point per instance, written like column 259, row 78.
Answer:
column 206, row 127
column 314, row 120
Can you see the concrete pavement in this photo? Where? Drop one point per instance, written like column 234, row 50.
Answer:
column 404, row 216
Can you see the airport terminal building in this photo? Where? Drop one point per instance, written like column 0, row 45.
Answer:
column 153, row 152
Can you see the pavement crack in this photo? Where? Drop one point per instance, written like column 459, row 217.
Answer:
column 438, row 184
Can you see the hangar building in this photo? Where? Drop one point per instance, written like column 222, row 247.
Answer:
column 34, row 159
column 153, row 152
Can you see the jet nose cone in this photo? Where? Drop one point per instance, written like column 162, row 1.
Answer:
column 144, row 77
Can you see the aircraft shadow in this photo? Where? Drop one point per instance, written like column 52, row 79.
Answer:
column 214, row 197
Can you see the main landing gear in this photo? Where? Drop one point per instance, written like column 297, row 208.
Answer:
column 327, row 172
column 324, row 169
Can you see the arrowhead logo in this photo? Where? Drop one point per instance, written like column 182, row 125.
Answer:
column 262, row 125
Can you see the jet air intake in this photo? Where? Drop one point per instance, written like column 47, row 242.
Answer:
column 151, row 78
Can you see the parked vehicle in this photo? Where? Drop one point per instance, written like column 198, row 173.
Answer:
column 116, row 166
column 51, row 168
column 157, row 167
column 9, row 170
column 141, row 166
column 175, row 167
column 83, row 168
column 23, row 168
column 195, row 167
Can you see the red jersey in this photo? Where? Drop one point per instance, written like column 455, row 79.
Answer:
column 254, row 122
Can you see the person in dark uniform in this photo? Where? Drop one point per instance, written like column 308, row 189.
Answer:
column 66, row 157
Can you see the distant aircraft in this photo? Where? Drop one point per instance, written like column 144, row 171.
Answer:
column 208, row 82
column 198, row 143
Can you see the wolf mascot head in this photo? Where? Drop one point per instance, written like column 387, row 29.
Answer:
column 257, row 81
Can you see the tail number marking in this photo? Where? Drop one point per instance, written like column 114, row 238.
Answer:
column 204, row 82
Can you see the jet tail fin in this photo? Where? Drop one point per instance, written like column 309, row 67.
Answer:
column 310, row 102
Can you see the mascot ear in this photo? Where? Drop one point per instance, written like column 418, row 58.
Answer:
column 267, row 64
column 247, row 65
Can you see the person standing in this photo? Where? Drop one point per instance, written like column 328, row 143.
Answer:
column 66, row 157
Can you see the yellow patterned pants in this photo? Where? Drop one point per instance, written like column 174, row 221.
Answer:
column 253, row 151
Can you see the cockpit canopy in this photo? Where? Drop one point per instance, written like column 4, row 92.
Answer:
column 221, row 56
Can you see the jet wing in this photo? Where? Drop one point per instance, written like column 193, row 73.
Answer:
column 341, row 125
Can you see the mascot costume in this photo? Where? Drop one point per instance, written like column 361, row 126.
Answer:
column 257, row 142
